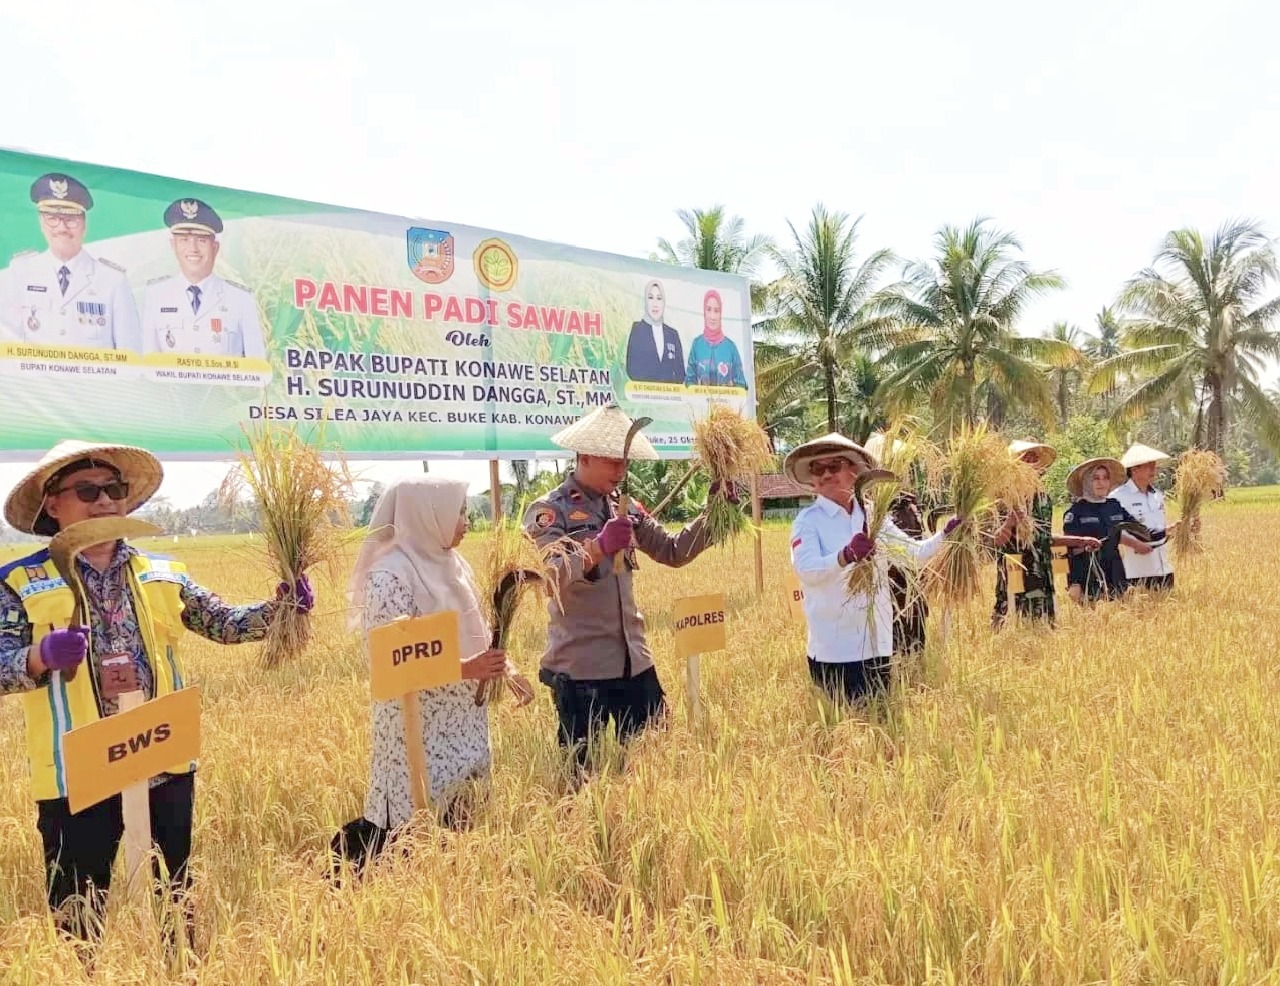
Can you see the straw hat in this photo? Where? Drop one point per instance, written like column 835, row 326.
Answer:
column 24, row 509
column 1045, row 454
column 796, row 465
column 876, row 449
column 1141, row 455
column 1075, row 481
column 603, row 432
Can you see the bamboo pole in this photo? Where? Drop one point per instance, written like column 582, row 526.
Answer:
column 757, row 516
column 495, row 492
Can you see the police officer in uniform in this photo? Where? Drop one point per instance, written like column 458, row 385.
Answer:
column 597, row 662
column 63, row 296
column 197, row 312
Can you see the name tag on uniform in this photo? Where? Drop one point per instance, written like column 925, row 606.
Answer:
column 37, row 288
column 117, row 675
column 167, row 311
column 579, row 515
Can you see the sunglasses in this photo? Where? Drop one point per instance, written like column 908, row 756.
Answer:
column 89, row 492
column 822, row 468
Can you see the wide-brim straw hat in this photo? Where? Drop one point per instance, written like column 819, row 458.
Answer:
column 24, row 509
column 1141, row 455
column 1075, row 481
column 603, row 432
column 796, row 465
column 875, row 447
column 1046, row 455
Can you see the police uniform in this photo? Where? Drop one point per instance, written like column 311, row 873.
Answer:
column 598, row 663
column 214, row 317
column 83, row 301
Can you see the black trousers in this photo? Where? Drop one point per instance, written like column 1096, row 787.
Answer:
column 1153, row 582
column 79, row 850
column 851, row 681
column 584, row 707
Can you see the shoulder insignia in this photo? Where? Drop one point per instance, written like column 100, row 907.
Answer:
column 22, row 253
column 237, row 284
column 157, row 280
column 112, row 264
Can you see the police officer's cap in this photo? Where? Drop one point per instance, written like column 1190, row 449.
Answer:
column 56, row 192
column 192, row 216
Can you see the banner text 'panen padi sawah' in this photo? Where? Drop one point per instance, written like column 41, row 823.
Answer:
column 165, row 313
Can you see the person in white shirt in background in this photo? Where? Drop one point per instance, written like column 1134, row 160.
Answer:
column 1146, row 566
column 850, row 638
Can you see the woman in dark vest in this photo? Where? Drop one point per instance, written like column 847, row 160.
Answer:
column 654, row 351
column 1097, row 575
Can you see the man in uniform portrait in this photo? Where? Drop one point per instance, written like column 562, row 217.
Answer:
column 62, row 296
column 196, row 311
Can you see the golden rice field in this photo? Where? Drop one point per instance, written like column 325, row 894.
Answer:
column 1095, row 804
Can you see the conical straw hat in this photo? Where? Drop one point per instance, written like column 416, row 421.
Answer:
column 797, row 462
column 24, row 509
column 603, row 432
column 1140, row 455
column 1075, row 481
column 1045, row 454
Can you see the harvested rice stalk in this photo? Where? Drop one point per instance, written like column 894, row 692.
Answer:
column 981, row 481
column 1200, row 476
column 302, row 503
column 514, row 564
column 732, row 449
column 875, row 489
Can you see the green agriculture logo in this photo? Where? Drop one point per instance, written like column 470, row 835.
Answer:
column 496, row 265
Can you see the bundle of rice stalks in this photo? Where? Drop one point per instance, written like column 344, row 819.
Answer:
column 1199, row 477
column 302, row 503
column 876, row 490
column 732, row 449
column 513, row 565
column 982, row 482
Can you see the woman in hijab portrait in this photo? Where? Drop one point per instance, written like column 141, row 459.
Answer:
column 714, row 359
column 654, row 351
column 408, row 566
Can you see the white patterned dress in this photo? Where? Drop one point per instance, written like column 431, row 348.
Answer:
column 455, row 731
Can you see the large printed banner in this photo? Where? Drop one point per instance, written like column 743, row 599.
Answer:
column 168, row 314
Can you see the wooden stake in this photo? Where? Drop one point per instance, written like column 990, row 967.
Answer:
column 693, row 682
column 416, row 752
column 136, row 809
column 495, row 492
column 757, row 515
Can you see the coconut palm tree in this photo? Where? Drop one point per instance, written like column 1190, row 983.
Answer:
column 958, row 345
column 1064, row 377
column 716, row 241
column 1200, row 324
column 826, row 307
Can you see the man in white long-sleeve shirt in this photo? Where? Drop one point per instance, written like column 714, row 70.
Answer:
column 850, row 638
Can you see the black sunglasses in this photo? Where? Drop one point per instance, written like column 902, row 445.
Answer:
column 822, row 468
column 89, row 492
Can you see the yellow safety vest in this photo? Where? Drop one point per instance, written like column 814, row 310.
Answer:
column 59, row 706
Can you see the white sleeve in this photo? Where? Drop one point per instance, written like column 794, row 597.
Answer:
column 810, row 564
column 251, row 329
column 124, row 318
column 919, row 551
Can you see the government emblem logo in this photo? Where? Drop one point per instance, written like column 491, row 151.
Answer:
column 58, row 187
column 189, row 208
column 496, row 265
column 430, row 254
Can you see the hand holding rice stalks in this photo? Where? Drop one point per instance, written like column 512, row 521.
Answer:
column 982, row 482
column 513, row 565
column 876, row 490
column 732, row 449
column 302, row 504
column 1199, row 477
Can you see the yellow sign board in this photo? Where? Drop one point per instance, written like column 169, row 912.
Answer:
column 1060, row 564
column 795, row 597
column 699, row 624
column 1013, row 565
column 107, row 756
column 414, row 653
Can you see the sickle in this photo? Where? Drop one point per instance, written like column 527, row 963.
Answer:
column 937, row 513
column 624, row 502
column 67, row 544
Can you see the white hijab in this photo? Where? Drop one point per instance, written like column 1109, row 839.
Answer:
column 410, row 533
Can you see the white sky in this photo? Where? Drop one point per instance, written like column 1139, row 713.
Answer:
column 1089, row 128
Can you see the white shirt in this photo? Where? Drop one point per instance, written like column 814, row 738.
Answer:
column 97, row 310
column 1148, row 509
column 840, row 627
column 226, row 324
column 659, row 339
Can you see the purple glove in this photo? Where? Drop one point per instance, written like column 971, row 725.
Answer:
column 951, row 525
column 304, row 596
column 63, row 650
column 729, row 491
column 859, row 548
column 615, row 535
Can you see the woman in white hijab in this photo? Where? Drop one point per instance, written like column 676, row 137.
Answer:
column 407, row 566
